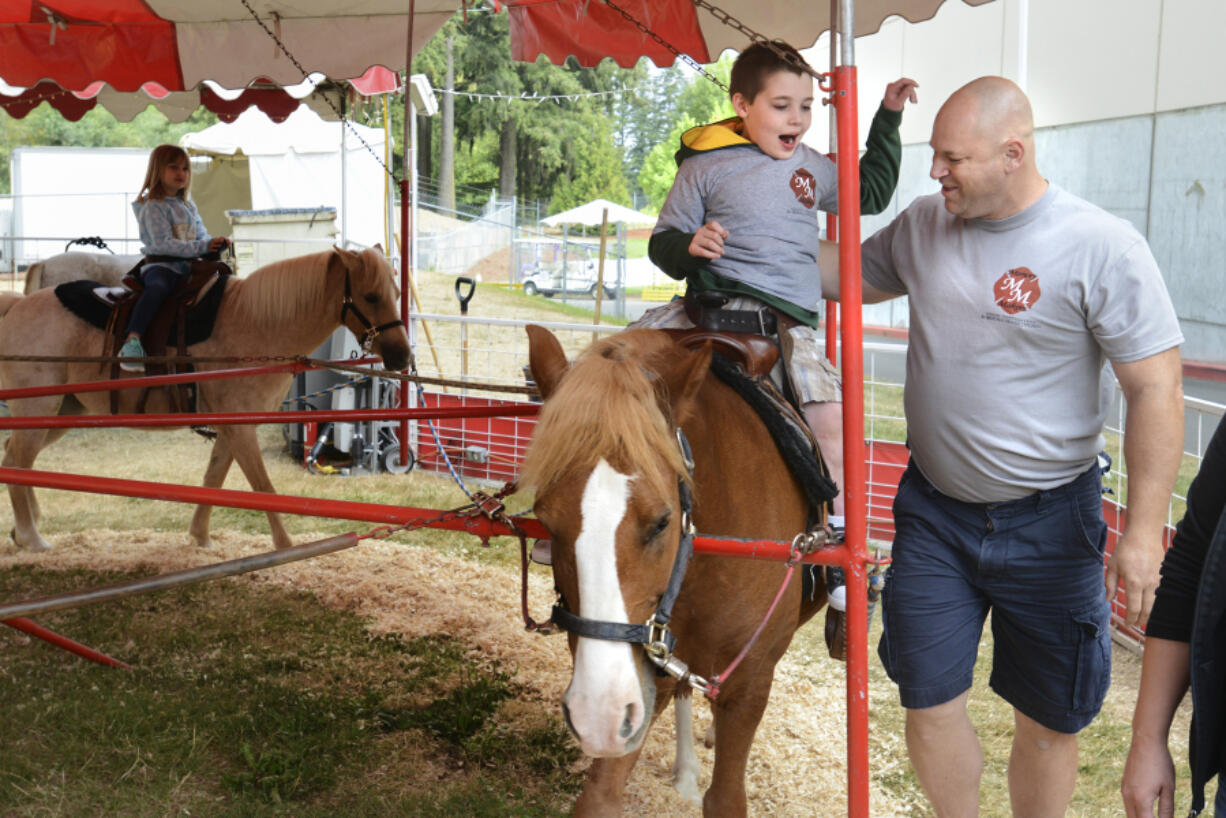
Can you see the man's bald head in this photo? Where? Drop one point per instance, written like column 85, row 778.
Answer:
column 995, row 107
column 983, row 150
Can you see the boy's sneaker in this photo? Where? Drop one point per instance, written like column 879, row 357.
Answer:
column 131, row 349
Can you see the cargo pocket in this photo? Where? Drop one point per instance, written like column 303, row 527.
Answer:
column 1093, row 670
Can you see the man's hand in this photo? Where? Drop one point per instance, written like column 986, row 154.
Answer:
column 708, row 241
column 898, row 92
column 1136, row 564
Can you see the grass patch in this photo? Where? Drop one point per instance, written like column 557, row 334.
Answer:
column 248, row 700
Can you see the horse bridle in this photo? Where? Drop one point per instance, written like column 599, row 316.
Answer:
column 655, row 637
column 372, row 332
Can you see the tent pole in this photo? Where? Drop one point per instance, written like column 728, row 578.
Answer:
column 854, row 470
column 405, row 219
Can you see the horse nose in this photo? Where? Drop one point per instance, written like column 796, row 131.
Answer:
column 605, row 728
column 395, row 358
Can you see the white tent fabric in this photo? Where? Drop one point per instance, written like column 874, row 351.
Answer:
column 297, row 163
column 591, row 214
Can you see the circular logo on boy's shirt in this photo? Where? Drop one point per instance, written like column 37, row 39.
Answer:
column 1017, row 290
column 804, row 186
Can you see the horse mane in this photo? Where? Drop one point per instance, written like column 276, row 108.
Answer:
column 283, row 291
column 607, row 406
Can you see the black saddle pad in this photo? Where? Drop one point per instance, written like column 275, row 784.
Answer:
column 79, row 299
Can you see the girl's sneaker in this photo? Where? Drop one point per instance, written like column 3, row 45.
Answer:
column 131, row 349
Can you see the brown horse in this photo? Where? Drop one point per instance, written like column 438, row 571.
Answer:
column 286, row 308
column 610, row 479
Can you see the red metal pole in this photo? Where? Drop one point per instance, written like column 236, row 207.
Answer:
column 26, row 626
column 224, row 418
column 854, row 471
column 402, row 431
column 292, row 367
column 479, row 525
column 832, row 307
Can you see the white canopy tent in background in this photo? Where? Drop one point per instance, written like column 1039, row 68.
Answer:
column 592, row 215
column 297, row 163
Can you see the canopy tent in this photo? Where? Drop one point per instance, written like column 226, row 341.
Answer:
column 322, row 95
column 592, row 215
column 290, row 165
column 180, row 43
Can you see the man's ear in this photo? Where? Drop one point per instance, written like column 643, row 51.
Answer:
column 1015, row 153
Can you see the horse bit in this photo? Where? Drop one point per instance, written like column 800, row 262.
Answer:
column 372, row 332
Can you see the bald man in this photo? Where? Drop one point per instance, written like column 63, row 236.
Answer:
column 1019, row 294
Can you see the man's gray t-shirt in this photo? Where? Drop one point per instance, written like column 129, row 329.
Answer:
column 1012, row 321
column 769, row 208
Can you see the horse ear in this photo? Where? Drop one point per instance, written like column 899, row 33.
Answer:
column 684, row 378
column 546, row 359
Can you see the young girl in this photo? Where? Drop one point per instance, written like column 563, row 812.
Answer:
column 169, row 226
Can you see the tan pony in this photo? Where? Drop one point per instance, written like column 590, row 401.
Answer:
column 607, row 468
column 286, row 308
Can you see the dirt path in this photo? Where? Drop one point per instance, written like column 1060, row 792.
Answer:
column 798, row 764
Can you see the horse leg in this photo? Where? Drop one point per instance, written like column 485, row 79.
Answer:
column 244, row 446
column 20, row 451
column 606, row 781
column 215, row 473
column 736, row 721
column 685, row 764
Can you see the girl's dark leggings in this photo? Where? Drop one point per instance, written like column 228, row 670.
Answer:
column 159, row 282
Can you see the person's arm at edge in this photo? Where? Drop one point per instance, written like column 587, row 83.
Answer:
column 1153, row 447
column 1149, row 772
column 828, row 264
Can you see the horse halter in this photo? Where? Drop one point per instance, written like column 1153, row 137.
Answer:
column 655, row 637
column 372, row 332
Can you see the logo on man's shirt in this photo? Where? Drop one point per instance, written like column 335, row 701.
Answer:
column 1017, row 290
column 804, row 186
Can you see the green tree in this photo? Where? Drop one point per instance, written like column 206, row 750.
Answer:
column 700, row 101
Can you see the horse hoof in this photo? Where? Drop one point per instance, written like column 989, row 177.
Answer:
column 35, row 544
column 687, row 788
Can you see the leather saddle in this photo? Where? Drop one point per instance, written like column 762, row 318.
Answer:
column 171, row 315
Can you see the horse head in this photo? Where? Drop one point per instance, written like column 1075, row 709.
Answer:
column 609, row 476
column 371, row 305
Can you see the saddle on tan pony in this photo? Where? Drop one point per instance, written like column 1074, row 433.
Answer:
column 172, row 313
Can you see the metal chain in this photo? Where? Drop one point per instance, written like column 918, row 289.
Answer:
column 732, row 22
column 305, row 74
column 672, row 49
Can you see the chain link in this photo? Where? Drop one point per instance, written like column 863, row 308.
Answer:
column 732, row 22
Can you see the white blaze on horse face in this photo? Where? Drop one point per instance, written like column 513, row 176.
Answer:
column 605, row 701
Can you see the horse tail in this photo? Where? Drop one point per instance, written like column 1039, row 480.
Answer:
column 34, row 277
column 7, row 300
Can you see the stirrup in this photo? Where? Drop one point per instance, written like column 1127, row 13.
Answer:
column 542, row 552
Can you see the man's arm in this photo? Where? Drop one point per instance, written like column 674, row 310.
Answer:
column 1153, row 447
column 828, row 264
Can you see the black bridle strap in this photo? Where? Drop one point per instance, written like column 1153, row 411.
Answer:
column 655, row 630
column 347, row 306
column 607, row 631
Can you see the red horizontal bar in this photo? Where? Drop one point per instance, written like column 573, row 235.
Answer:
column 26, row 626
column 481, row 526
column 223, row 418
column 293, row 367
column 774, row 550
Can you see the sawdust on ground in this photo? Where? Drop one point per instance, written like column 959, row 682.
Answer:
column 798, row 764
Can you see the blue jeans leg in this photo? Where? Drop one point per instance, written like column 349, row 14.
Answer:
column 159, row 282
